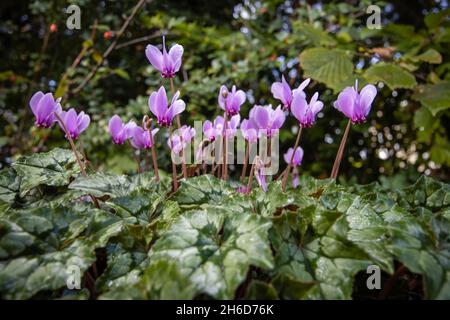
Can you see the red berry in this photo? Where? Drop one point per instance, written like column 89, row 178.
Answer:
column 107, row 34
column 53, row 28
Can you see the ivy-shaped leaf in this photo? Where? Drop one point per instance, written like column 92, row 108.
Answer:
column 216, row 250
column 53, row 168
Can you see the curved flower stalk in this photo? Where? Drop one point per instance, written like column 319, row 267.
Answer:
column 282, row 91
column 258, row 166
column 267, row 120
column 295, row 160
column 74, row 123
column 250, row 135
column 44, row 107
column 356, row 107
column 306, row 115
column 231, row 102
column 159, row 106
column 119, row 131
column 167, row 63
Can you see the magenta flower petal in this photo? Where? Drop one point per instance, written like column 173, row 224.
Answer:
column 346, row 101
column 70, row 121
column 367, row 95
column 298, row 107
column 34, row 101
column 261, row 117
column 154, row 55
column 298, row 156
column 161, row 102
column 278, row 118
column 288, row 155
column 175, row 54
column 261, row 178
column 115, row 129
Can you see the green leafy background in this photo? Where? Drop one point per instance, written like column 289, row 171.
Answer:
column 247, row 43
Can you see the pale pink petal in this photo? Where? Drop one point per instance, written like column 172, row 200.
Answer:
column 154, row 55
column 35, row 100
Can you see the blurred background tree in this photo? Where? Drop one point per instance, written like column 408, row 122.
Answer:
column 247, row 43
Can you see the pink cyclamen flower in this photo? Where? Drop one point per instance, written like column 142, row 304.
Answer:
column 44, row 107
column 75, row 123
column 181, row 139
column 304, row 112
column 356, row 106
column 268, row 120
column 120, row 132
column 166, row 63
column 231, row 101
column 140, row 138
column 298, row 156
column 159, row 106
column 248, row 130
column 282, row 91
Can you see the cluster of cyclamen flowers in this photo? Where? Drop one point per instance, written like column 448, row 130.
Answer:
column 263, row 120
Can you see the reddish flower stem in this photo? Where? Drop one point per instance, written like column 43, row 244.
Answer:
column 340, row 153
column 183, row 164
column 225, row 149
column 247, row 155
column 75, row 152
column 174, row 167
column 155, row 163
column 250, row 178
column 288, row 170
